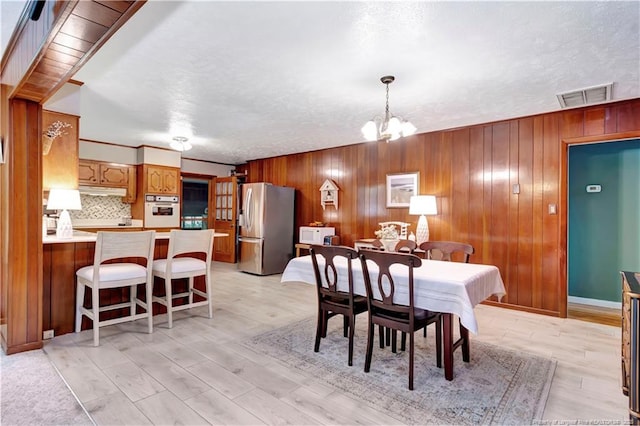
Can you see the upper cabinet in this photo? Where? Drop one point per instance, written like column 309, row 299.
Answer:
column 59, row 150
column 94, row 173
column 161, row 180
column 98, row 173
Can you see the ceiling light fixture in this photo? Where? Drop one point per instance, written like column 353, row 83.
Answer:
column 389, row 127
column 180, row 143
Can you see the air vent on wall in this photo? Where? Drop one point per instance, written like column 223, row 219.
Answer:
column 587, row 96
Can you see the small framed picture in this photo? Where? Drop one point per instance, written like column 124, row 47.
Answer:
column 400, row 188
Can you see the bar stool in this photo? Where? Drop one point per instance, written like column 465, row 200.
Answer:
column 174, row 267
column 100, row 275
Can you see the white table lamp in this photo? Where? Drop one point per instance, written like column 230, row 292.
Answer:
column 64, row 199
column 422, row 205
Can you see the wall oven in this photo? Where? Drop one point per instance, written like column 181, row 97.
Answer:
column 161, row 211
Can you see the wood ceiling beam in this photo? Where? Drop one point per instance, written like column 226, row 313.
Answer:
column 43, row 55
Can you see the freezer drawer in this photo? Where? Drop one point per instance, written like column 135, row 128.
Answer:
column 251, row 255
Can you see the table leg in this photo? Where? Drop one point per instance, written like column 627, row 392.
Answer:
column 464, row 335
column 447, row 341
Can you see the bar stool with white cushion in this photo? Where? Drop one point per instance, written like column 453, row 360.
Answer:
column 100, row 275
column 180, row 243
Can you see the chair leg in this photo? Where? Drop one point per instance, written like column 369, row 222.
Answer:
column 79, row 304
column 325, row 322
column 345, row 325
column 403, row 343
column 381, row 330
column 316, row 347
column 394, row 338
column 167, row 295
column 367, row 358
column 388, row 336
column 190, row 290
column 352, row 321
column 149, row 298
column 424, row 331
column 411, row 361
column 133, row 296
column 207, row 280
column 95, row 310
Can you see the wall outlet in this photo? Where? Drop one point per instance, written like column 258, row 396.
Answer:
column 47, row 334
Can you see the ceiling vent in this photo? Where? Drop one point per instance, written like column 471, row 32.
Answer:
column 588, row 96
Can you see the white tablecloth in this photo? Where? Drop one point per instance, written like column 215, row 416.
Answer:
column 449, row 287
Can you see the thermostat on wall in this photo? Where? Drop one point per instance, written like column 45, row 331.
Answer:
column 594, row 188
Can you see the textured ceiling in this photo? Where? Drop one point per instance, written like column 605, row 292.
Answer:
column 247, row 80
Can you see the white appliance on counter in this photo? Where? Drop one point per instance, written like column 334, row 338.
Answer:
column 315, row 234
column 161, row 211
column 266, row 233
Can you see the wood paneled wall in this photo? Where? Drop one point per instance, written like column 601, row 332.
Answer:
column 472, row 171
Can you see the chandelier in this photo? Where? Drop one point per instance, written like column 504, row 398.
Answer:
column 389, row 127
column 180, row 143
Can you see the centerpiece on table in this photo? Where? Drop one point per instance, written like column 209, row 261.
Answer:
column 388, row 236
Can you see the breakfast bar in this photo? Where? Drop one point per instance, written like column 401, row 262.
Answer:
column 62, row 257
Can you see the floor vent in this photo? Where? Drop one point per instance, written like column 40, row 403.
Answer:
column 588, row 96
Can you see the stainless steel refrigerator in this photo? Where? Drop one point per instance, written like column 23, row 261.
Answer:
column 266, row 228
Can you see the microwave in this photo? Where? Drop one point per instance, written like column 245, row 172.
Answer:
column 315, row 234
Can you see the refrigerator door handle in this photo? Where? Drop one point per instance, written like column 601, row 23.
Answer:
column 249, row 209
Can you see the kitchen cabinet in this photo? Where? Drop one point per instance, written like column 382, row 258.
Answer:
column 112, row 175
column 97, row 173
column 161, row 180
column 60, row 163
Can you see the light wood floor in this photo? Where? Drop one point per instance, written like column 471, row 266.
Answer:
column 595, row 314
column 197, row 373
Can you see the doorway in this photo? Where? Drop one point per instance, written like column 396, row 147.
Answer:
column 195, row 203
column 603, row 198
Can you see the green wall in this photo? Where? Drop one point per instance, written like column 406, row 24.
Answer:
column 604, row 227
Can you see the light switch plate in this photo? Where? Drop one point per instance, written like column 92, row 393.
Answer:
column 553, row 209
column 594, row 188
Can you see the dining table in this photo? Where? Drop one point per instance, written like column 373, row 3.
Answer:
column 450, row 288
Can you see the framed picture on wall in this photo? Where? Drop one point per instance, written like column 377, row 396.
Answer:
column 400, row 188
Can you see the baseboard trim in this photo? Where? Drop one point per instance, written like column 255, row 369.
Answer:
column 595, row 302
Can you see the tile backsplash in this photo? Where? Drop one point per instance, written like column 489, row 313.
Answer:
column 98, row 207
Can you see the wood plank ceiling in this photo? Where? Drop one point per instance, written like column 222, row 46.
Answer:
column 80, row 28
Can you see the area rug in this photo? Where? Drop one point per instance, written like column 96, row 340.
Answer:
column 32, row 392
column 497, row 386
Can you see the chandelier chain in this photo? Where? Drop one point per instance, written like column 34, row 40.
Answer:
column 387, row 108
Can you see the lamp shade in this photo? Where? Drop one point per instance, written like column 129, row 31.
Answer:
column 423, row 204
column 64, row 199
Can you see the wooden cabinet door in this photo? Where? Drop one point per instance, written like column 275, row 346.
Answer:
column 162, row 180
column 170, row 181
column 154, row 180
column 224, row 211
column 114, row 175
column 88, row 173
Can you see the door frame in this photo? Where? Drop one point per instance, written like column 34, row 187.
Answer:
column 563, row 264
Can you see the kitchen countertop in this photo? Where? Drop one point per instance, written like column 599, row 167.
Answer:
column 89, row 237
column 104, row 223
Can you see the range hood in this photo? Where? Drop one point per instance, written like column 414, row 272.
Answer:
column 102, row 191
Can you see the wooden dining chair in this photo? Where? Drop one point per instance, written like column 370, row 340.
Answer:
column 447, row 251
column 332, row 301
column 384, row 312
column 127, row 248
column 406, row 246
